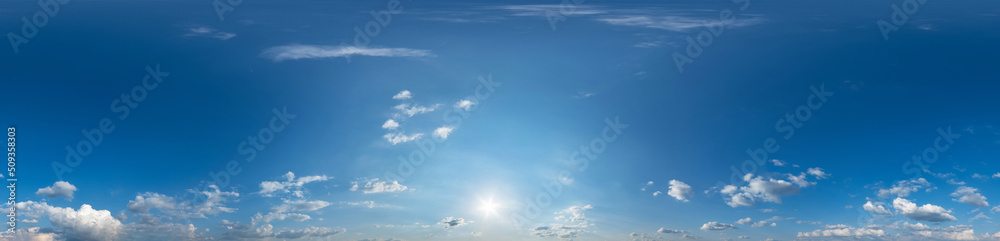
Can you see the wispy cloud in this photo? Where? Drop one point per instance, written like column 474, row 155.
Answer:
column 208, row 32
column 298, row 51
column 672, row 23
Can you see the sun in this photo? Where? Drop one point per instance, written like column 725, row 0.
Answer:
column 488, row 207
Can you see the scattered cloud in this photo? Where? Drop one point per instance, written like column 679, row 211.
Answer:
column 451, row 222
column 396, row 138
column 717, row 226
column 390, row 124
column 927, row 212
column 375, row 186
column 969, row 195
column 403, row 95
column 904, row 188
column 876, row 207
column 299, row 51
column 58, row 189
column 680, row 190
column 443, row 132
column 291, row 184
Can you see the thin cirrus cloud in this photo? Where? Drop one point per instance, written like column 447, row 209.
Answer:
column 301, row 51
column 672, row 23
column 208, row 32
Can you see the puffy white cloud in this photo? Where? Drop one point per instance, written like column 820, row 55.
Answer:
column 85, row 223
column 574, row 222
column 841, row 230
column 876, row 207
column 375, row 186
column 443, row 132
column 403, row 95
column 904, row 188
column 291, row 184
column 465, row 105
column 717, row 226
column 818, row 172
column 30, row 234
column 211, row 203
column 769, row 190
column 758, row 224
column 298, row 51
column 390, row 124
column 575, row 213
column 59, row 189
column 778, row 163
column 744, row 221
column 680, row 190
column 451, row 222
column 927, row 212
column 396, row 138
column 800, row 180
column 969, row 195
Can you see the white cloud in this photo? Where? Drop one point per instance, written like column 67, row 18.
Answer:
column 876, row 207
column 904, row 188
column 778, row 163
column 298, row 51
column 818, row 172
column 717, row 226
column 211, row 203
column 451, row 222
column 979, row 216
column 208, row 32
column 744, row 221
column 680, row 190
column 800, row 180
column 375, row 186
column 59, row 189
column 85, row 223
column 442, row 132
column 411, row 110
column 996, row 175
column 953, row 182
column 300, row 206
column 969, row 195
column 403, row 95
column 844, row 231
column 671, row 23
column 927, row 212
column 769, row 190
column 390, row 124
column 30, row 234
column 290, row 185
column 396, row 138
column 664, row 230
column 465, row 104
column 657, row 193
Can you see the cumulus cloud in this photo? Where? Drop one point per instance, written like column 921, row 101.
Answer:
column 375, row 186
column 574, row 222
column 85, row 223
column 291, row 184
column 717, row 226
column 451, row 222
column 904, row 188
column 403, row 95
column 59, row 189
column 465, row 105
column 778, row 163
column 768, row 190
column 876, row 207
column 818, row 172
column 680, row 190
column 443, row 132
column 390, row 124
column 299, row 51
column 927, row 212
column 212, row 202
column 969, row 195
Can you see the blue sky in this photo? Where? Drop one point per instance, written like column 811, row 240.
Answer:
column 503, row 120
